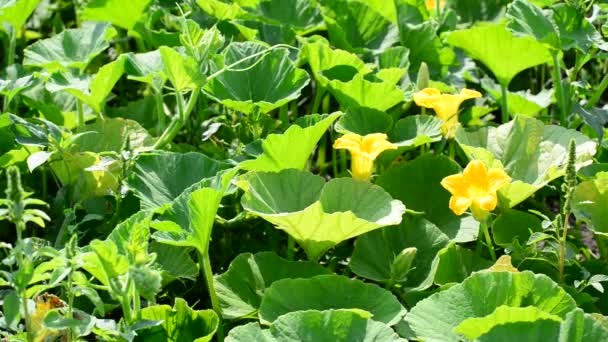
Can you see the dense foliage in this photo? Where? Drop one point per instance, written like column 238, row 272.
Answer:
column 304, row 170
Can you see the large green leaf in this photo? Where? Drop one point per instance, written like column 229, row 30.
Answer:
column 180, row 323
column 590, row 201
column 581, row 327
column 264, row 83
column 317, row 326
column 474, row 327
column 15, row 79
column 115, row 12
column 92, row 90
column 181, row 70
column 113, row 134
column 146, row 67
column 357, row 27
column 241, row 288
column 492, row 44
column 417, row 185
column 563, row 28
column 434, row 318
column 73, row 48
column 455, row 263
column 324, row 214
column 514, row 224
column 521, row 102
column 533, row 154
column 302, row 15
column 326, row 292
column 364, row 121
column 378, row 94
column 17, row 13
column 376, row 252
column 157, row 184
column 291, row 149
column 327, row 63
column 416, row 130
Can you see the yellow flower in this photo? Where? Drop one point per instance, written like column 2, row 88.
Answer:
column 476, row 188
column 430, row 4
column 445, row 105
column 364, row 151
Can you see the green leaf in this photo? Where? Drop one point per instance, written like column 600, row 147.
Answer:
column 357, row 27
column 364, row 121
column 241, row 288
column 597, row 118
column 589, row 203
column 91, row 90
column 420, row 38
column 325, row 292
column 564, row 28
column 193, row 214
column 147, row 67
column 14, row 80
column 17, row 13
column 11, row 309
column 291, row 149
column 492, row 44
column 360, row 92
column 258, row 84
column 580, row 327
column 434, row 318
column 521, row 102
column 327, row 63
column 156, row 185
column 514, row 224
column 73, row 48
column 113, row 134
column 376, row 252
column 104, row 262
column 417, row 185
column 175, row 260
column 181, row 70
column 115, row 12
column 456, row 263
column 533, row 154
column 302, row 15
column 473, row 328
column 180, row 323
column 325, row 214
column 417, row 130
column 317, row 326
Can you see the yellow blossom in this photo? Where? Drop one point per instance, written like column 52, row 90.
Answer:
column 475, row 188
column 445, row 105
column 364, row 151
column 430, row 4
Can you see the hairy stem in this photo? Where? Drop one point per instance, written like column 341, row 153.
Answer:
column 205, row 265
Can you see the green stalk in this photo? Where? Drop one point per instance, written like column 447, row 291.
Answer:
column 215, row 303
column 291, row 245
column 178, row 121
column 484, row 227
column 559, row 90
column 320, row 91
column 158, row 100
column 10, row 60
column 80, row 114
column 597, row 95
column 563, row 239
column 504, row 103
column 284, row 115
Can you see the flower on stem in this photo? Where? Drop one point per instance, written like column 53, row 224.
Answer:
column 475, row 188
column 364, row 151
column 431, row 4
column 445, row 105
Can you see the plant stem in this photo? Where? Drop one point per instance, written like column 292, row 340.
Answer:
column 205, row 265
column 559, row 90
column 160, row 112
column 10, row 60
column 563, row 239
column 284, row 115
column 599, row 91
column 504, row 100
column 320, row 91
column 291, row 244
column 80, row 114
column 178, row 121
column 484, row 227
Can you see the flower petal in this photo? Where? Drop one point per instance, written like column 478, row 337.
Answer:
column 466, row 94
column 460, row 204
column 497, row 178
column 476, row 173
column 487, row 203
column 427, row 97
column 350, row 141
column 455, row 184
